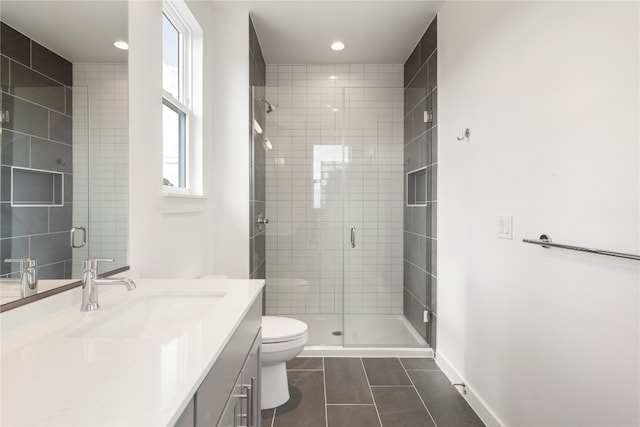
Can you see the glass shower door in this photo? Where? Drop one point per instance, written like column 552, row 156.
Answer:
column 374, row 182
column 302, row 137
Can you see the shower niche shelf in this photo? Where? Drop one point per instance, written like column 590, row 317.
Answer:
column 417, row 187
column 36, row 187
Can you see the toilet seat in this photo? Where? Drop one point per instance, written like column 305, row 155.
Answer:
column 282, row 329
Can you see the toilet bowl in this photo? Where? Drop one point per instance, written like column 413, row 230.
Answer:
column 282, row 340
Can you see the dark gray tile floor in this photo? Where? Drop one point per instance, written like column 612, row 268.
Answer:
column 369, row 392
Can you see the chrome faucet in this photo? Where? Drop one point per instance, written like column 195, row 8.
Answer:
column 90, row 282
column 28, row 276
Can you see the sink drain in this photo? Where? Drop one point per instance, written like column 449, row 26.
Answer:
column 336, row 333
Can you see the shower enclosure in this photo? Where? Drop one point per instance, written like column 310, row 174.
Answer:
column 334, row 182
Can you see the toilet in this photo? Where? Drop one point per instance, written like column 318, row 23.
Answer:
column 282, row 340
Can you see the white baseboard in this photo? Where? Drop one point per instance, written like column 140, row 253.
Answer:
column 478, row 405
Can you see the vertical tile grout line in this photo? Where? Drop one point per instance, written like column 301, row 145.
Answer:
column 324, row 383
column 419, row 396
column 375, row 405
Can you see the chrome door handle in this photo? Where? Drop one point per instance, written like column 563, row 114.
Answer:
column 72, row 237
column 249, row 396
column 244, row 416
column 252, row 415
column 353, row 237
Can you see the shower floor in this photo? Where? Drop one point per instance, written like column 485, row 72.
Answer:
column 371, row 330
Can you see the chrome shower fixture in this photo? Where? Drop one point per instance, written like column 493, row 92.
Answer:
column 270, row 107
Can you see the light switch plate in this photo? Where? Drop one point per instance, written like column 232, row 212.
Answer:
column 505, row 227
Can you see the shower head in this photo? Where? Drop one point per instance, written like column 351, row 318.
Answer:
column 270, row 107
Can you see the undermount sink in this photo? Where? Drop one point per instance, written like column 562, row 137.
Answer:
column 151, row 316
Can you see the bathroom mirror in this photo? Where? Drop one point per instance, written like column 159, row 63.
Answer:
column 64, row 136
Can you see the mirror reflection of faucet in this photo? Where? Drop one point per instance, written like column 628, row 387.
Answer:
column 28, row 276
column 90, row 282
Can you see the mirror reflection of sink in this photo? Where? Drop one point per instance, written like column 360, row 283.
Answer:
column 152, row 316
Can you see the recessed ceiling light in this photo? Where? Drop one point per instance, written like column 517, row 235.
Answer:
column 333, row 77
column 337, row 45
column 121, row 45
column 335, row 110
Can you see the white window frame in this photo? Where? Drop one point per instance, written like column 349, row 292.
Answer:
column 189, row 80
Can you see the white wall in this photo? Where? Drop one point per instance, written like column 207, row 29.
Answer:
column 172, row 237
column 229, row 162
column 550, row 93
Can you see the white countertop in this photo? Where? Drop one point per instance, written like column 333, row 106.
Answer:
column 52, row 377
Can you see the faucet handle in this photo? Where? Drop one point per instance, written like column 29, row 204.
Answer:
column 25, row 263
column 92, row 263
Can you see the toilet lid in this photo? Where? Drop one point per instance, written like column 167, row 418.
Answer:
column 279, row 329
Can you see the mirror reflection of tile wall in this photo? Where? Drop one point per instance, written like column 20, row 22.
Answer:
column 36, row 136
column 106, row 85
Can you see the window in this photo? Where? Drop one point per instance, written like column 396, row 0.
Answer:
column 181, row 104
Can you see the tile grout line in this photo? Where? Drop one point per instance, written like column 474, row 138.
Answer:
column 371, row 391
column 324, row 383
column 351, row 404
column 397, row 385
column 419, row 396
column 306, row 370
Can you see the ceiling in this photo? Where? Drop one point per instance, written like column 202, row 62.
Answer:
column 78, row 30
column 290, row 32
column 375, row 32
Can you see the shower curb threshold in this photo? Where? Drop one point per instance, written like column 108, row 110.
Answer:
column 340, row 351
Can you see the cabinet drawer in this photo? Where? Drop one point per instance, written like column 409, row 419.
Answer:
column 187, row 419
column 221, row 379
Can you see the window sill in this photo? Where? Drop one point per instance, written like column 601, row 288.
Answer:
column 178, row 202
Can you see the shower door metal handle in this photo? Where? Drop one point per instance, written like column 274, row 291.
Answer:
column 353, row 237
column 73, row 240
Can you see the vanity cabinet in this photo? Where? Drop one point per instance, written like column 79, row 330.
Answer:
column 187, row 419
column 229, row 396
column 243, row 405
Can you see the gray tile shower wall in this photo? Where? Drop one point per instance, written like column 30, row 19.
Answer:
column 257, row 78
column 421, row 151
column 36, row 134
